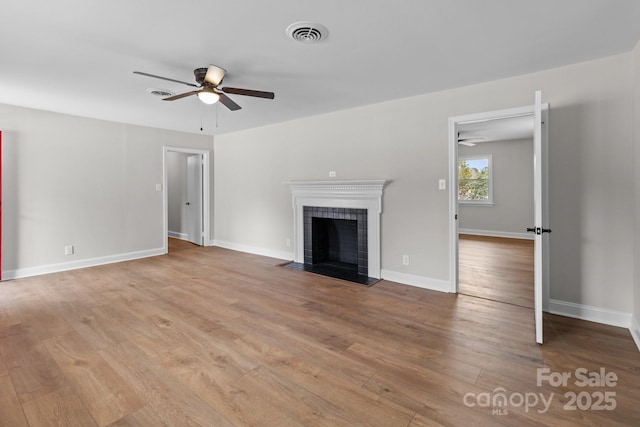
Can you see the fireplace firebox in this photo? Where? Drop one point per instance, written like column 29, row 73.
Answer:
column 336, row 238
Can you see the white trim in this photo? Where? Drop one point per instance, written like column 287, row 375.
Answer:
column 177, row 235
column 453, row 204
column 74, row 265
column 493, row 233
column 417, row 281
column 478, row 203
column 357, row 194
column 271, row 253
column 635, row 331
column 590, row 313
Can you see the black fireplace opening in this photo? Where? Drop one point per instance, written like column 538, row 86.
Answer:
column 336, row 244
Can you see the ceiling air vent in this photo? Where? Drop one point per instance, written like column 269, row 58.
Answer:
column 159, row 92
column 307, row 32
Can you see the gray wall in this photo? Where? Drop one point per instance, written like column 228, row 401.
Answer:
column 512, row 210
column 591, row 175
column 76, row 181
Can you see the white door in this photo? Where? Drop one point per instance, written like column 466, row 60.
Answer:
column 194, row 199
column 540, row 146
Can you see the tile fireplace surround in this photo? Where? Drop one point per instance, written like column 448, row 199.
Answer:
column 357, row 194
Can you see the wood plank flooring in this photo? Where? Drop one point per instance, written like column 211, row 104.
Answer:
column 212, row 337
column 496, row 268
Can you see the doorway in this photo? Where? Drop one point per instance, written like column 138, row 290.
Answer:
column 461, row 131
column 495, row 206
column 186, row 196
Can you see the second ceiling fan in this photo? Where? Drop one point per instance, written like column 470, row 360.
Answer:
column 209, row 92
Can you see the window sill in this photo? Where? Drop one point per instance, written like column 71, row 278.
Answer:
column 482, row 204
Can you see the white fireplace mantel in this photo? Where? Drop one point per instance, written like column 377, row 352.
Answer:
column 355, row 194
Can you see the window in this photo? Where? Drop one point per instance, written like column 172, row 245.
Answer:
column 475, row 183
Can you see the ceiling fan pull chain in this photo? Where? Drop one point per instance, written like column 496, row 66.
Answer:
column 201, row 114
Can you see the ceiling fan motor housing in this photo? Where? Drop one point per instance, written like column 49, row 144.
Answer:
column 200, row 74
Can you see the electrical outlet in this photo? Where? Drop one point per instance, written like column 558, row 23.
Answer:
column 332, row 174
column 68, row 250
column 405, row 259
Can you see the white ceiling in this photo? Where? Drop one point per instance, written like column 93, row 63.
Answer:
column 506, row 128
column 77, row 56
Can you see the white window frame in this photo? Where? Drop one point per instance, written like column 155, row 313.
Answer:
column 489, row 201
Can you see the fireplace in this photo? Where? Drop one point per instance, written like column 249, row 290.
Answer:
column 347, row 216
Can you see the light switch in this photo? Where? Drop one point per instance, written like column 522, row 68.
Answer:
column 442, row 184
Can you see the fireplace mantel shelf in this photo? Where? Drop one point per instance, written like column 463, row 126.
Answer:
column 362, row 184
column 354, row 189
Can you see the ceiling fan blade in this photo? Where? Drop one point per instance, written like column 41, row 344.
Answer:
column 248, row 92
column 164, row 78
column 182, row 95
column 214, row 75
column 228, row 102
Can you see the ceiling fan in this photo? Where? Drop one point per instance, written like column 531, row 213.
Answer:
column 470, row 141
column 209, row 92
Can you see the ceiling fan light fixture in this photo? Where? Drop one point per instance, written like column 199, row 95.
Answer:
column 214, row 75
column 208, row 96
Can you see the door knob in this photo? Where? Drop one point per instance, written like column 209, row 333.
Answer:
column 187, row 203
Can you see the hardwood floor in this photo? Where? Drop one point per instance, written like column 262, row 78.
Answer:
column 175, row 245
column 496, row 268
column 212, row 337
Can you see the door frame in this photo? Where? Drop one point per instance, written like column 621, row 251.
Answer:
column 206, row 193
column 454, row 122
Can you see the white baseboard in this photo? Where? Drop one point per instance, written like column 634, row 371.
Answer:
column 83, row 263
column 590, row 313
column 177, row 235
column 635, row 331
column 417, row 281
column 271, row 253
column 492, row 233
